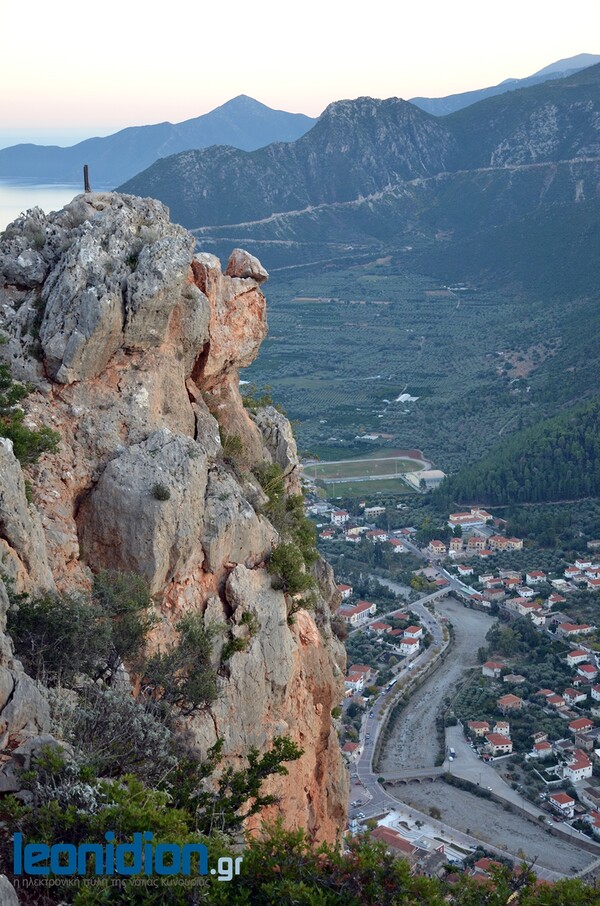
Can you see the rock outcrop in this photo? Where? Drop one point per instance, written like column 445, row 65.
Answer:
column 133, row 343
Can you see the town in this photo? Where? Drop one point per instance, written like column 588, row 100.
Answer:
column 528, row 710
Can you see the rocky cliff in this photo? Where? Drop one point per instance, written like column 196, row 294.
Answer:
column 132, row 344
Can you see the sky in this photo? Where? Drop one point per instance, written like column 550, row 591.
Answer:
column 77, row 70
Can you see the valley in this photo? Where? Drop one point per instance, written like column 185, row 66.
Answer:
column 377, row 352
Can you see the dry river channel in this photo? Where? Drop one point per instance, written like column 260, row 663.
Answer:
column 414, row 744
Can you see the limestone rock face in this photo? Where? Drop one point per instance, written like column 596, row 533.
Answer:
column 146, row 513
column 133, row 344
column 24, row 711
column 280, row 442
column 8, row 896
column 22, row 542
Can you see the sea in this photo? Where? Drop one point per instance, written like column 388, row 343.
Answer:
column 17, row 196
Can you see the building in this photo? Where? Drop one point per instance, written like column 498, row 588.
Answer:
column 397, row 546
column 555, row 598
column 463, row 569
column 514, row 678
column 358, row 614
column 344, row 590
column 587, row 739
column 396, row 844
column 582, row 723
column 579, row 768
column 432, row 478
column 574, row 696
column 541, row 750
column 587, row 672
column 566, row 630
column 350, row 749
column 456, row 545
column 577, row 656
column 502, row 727
column 536, row 577
column 340, row 517
column 380, row 627
column 413, row 632
column 371, row 512
column 479, row 727
column 562, row 803
column 498, row 744
column 377, row 535
column 476, row 545
column 515, row 544
column 436, row 548
column 474, row 519
column 409, row 647
column 510, row 702
column 492, row 668
column 354, row 682
column 484, row 868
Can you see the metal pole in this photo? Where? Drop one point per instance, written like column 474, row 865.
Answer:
column 86, row 179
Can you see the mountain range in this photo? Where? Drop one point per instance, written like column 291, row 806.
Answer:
column 373, row 171
column 241, row 122
column 559, row 70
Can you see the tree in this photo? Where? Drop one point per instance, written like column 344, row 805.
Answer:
column 59, row 636
column 184, row 675
column 125, row 599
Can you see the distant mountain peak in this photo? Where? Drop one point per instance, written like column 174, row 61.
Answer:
column 580, row 61
column 453, row 102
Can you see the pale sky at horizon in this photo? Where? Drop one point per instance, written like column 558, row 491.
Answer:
column 93, row 70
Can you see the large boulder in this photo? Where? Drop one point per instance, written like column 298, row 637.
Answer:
column 145, row 514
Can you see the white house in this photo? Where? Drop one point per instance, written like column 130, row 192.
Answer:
column 409, row 647
column 562, row 803
column 357, row 614
column 535, row 577
column 579, row 768
column 340, row 517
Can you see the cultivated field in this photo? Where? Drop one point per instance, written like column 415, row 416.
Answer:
column 348, row 352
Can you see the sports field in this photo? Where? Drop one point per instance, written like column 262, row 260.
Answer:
column 386, row 464
column 366, row 487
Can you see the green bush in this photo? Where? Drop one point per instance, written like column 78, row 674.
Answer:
column 287, row 565
column 184, row 675
column 125, row 599
column 160, row 491
column 59, row 636
column 28, row 445
column 114, row 734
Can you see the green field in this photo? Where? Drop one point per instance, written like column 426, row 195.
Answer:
column 366, row 488
column 361, row 468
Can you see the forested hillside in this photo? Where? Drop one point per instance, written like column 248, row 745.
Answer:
column 557, row 459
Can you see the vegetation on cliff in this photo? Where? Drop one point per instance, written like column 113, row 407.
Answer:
column 28, row 444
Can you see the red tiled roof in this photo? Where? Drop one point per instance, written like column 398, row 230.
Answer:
column 562, row 798
column 582, row 723
column 497, row 739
